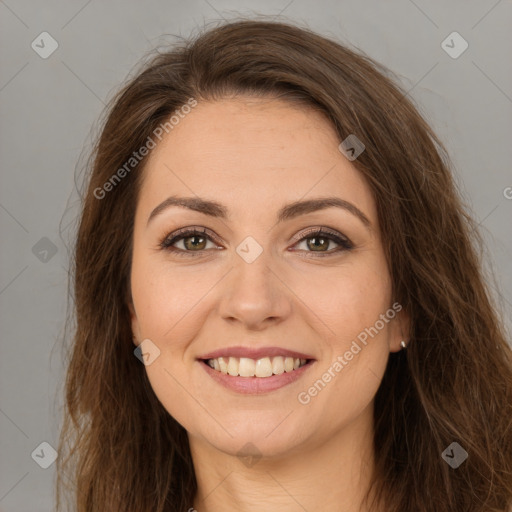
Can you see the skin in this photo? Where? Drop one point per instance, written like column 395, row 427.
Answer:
column 255, row 155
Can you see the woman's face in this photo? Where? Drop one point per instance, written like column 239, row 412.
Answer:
column 258, row 286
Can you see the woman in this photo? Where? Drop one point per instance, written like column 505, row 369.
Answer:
column 279, row 303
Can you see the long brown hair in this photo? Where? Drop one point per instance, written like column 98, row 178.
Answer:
column 120, row 450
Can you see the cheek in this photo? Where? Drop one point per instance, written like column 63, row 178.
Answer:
column 362, row 336
column 170, row 311
column 350, row 301
column 346, row 299
column 359, row 307
column 170, row 300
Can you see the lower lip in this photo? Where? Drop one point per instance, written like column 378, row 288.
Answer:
column 256, row 385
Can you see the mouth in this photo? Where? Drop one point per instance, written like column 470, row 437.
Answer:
column 260, row 368
column 255, row 371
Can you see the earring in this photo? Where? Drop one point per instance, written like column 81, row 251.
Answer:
column 403, row 344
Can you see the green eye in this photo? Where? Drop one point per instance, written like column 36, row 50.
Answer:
column 199, row 240
column 195, row 241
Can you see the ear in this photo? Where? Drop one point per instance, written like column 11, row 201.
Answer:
column 134, row 323
column 400, row 329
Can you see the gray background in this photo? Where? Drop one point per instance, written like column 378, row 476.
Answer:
column 48, row 107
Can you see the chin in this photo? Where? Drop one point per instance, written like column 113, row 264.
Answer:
column 270, row 438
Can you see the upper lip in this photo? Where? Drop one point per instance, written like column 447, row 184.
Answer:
column 254, row 353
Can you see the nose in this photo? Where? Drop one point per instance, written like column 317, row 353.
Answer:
column 254, row 294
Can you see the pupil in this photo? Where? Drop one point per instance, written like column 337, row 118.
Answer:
column 316, row 245
column 195, row 244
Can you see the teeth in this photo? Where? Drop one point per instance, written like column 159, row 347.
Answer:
column 246, row 367
column 233, row 366
column 264, row 367
column 223, row 364
column 278, row 365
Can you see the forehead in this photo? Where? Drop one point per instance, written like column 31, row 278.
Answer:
column 252, row 153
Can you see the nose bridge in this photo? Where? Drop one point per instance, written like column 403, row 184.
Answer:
column 252, row 276
column 254, row 293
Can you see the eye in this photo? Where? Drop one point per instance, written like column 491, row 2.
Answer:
column 195, row 241
column 318, row 239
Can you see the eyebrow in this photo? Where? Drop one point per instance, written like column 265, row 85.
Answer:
column 287, row 212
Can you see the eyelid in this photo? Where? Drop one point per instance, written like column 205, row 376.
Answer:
column 316, row 229
column 186, row 232
column 169, row 240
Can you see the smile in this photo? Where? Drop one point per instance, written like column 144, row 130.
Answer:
column 261, row 368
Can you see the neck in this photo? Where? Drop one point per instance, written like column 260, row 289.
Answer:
column 332, row 475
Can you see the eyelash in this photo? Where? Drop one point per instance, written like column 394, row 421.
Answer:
column 167, row 243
